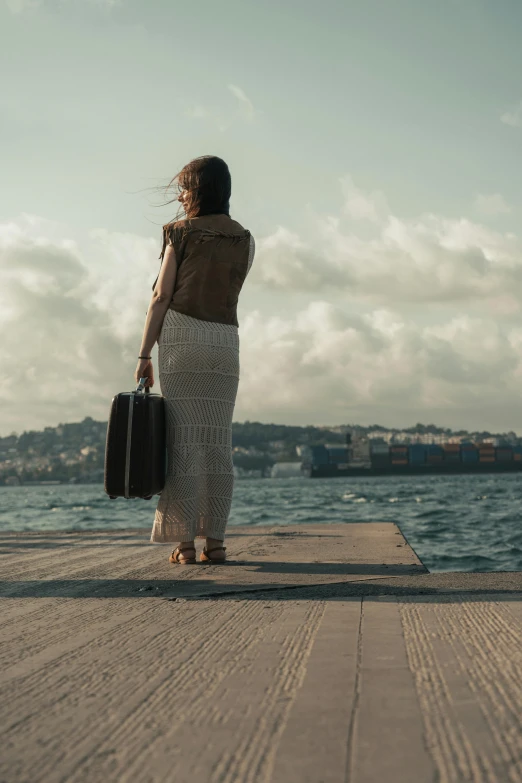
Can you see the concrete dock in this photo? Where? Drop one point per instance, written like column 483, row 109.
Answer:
column 318, row 654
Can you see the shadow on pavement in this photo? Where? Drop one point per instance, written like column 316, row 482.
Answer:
column 498, row 585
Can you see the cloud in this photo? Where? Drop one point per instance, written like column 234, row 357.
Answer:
column 513, row 116
column 216, row 118
column 74, row 310
column 378, row 367
column 363, row 206
column 197, row 112
column 492, row 204
column 73, row 306
column 222, row 121
column 430, row 259
column 285, row 262
column 19, row 6
column 248, row 107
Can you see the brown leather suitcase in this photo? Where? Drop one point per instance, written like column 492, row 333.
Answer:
column 135, row 449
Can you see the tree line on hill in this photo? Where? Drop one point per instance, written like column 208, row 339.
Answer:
column 76, row 451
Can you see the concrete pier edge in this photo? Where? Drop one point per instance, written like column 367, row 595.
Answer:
column 319, row 654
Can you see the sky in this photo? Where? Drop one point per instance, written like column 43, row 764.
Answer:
column 375, row 153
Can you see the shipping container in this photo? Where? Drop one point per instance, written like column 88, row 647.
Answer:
column 335, row 459
column 320, row 459
column 469, row 455
column 318, row 449
column 398, row 461
column 319, row 455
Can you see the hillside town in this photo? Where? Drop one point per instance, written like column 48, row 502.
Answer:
column 74, row 452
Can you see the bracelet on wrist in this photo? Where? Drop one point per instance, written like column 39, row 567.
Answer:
column 144, row 357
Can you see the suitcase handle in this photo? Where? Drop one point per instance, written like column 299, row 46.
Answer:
column 141, row 386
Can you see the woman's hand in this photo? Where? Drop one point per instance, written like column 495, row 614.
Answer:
column 145, row 370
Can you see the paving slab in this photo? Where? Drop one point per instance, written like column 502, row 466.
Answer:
column 116, row 666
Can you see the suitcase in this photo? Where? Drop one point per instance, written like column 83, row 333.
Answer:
column 135, row 449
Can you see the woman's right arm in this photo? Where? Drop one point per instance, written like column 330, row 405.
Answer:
column 160, row 300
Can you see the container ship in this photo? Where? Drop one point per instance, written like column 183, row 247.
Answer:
column 359, row 457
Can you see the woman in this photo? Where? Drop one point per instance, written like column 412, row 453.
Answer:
column 193, row 317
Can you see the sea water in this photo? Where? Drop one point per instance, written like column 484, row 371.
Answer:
column 454, row 523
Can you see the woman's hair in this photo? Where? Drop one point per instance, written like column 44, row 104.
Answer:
column 208, row 184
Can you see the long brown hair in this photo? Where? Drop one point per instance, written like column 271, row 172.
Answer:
column 208, row 184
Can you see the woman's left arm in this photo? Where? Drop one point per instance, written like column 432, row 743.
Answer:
column 159, row 304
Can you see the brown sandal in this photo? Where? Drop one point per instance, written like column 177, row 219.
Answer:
column 174, row 558
column 204, row 557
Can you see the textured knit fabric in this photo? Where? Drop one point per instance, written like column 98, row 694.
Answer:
column 199, row 377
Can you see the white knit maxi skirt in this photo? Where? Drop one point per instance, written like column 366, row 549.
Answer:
column 199, row 377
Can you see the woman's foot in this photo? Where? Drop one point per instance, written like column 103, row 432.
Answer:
column 184, row 553
column 214, row 551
